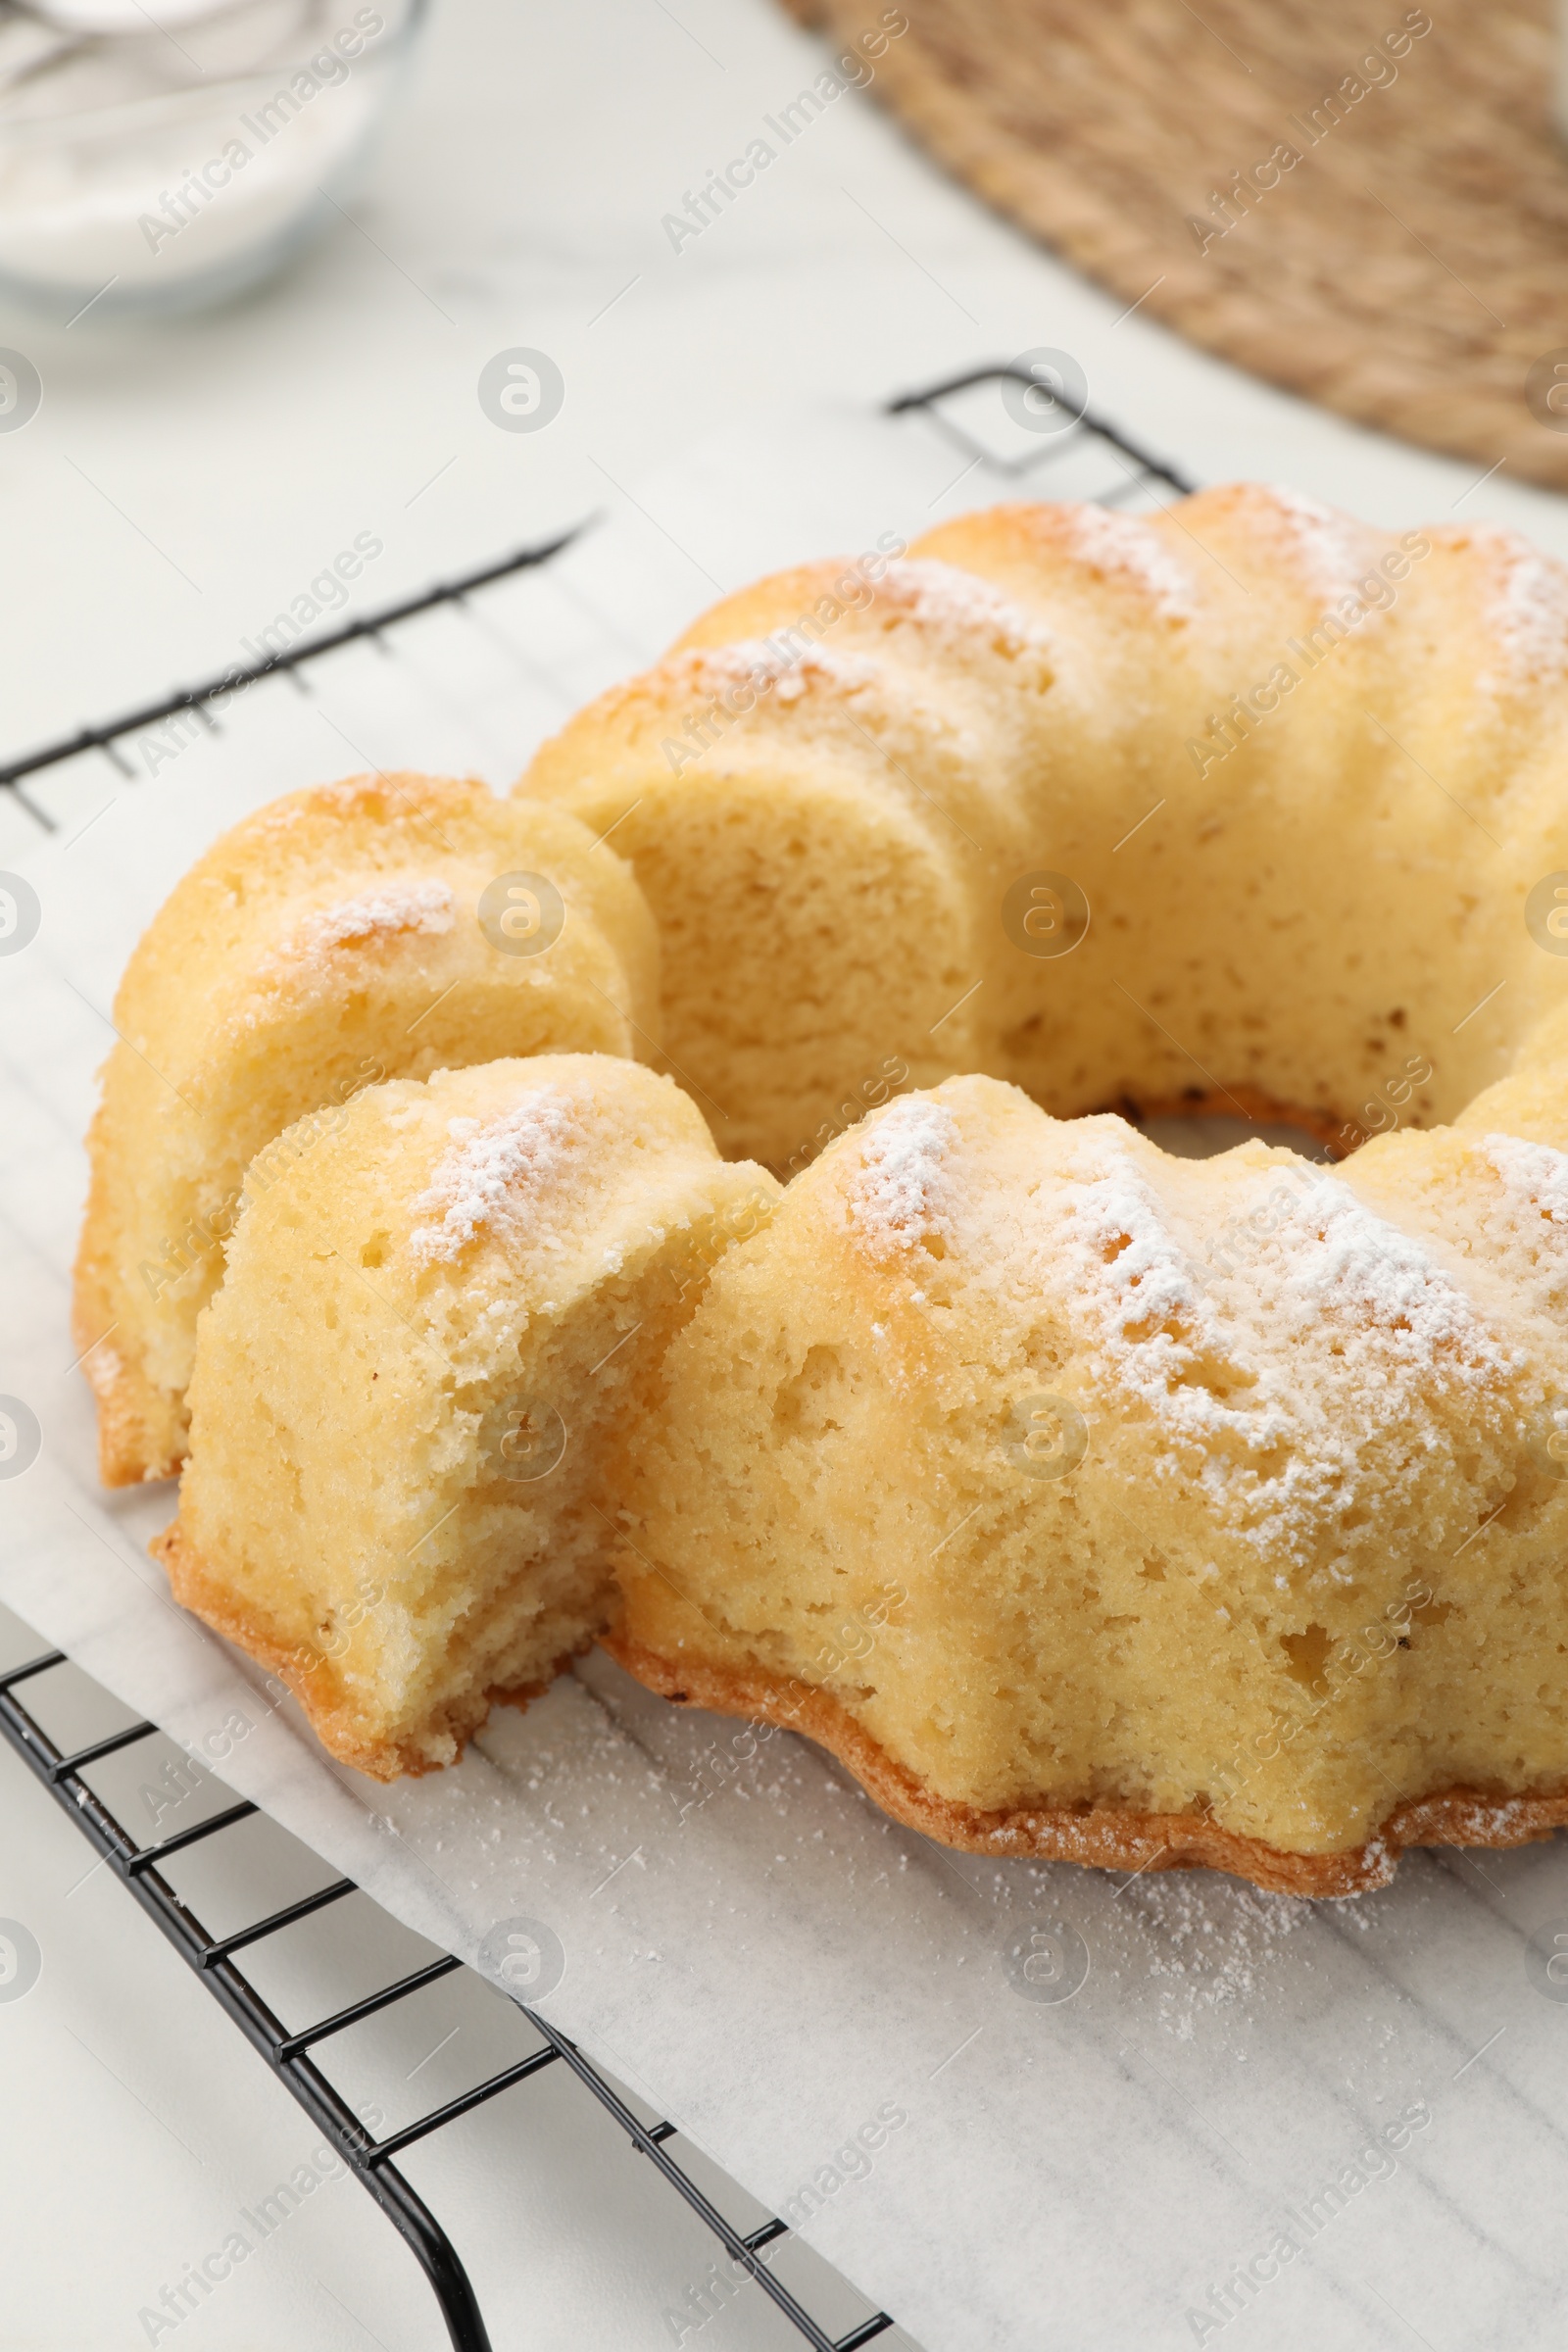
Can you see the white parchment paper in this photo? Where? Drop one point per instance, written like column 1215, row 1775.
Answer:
column 1016, row 2104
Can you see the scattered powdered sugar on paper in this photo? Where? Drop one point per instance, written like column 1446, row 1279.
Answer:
column 960, row 604
column 1211, row 1941
column 493, row 1179
column 904, row 1189
column 1123, row 544
column 419, row 907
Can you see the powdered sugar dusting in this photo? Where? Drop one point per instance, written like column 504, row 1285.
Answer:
column 1209, row 1943
column 843, row 670
column 1524, row 1225
column 409, row 906
column 1526, row 613
column 1534, row 1175
column 497, row 1175
column 960, row 605
column 1149, row 1308
column 1334, row 1257
column 105, row 1368
column 903, row 1188
column 791, row 662
column 1336, row 1332
column 1122, row 546
column 1334, row 550
column 768, row 667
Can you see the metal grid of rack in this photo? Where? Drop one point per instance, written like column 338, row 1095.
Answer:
column 1066, row 427
column 1137, row 469
column 294, row 2056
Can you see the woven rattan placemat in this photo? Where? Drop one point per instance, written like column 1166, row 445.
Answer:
column 1409, row 267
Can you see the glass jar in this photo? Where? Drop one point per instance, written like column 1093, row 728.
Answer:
column 162, row 169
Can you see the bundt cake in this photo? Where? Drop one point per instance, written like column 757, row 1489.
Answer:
column 1086, row 1500
column 430, row 1324
column 1238, row 801
column 381, row 928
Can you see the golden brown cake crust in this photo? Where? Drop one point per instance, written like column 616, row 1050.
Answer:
column 1101, row 1836
column 128, row 1452
column 247, row 1018
column 132, row 1444
column 315, row 1685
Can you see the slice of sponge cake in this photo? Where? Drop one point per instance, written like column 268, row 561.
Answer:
column 433, row 1324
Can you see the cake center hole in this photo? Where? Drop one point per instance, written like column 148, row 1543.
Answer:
column 1206, row 1135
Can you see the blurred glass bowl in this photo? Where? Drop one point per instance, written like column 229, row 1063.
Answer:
column 166, row 168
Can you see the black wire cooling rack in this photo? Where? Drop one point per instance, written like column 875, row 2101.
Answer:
column 292, row 2056
column 1064, row 428
column 140, row 1868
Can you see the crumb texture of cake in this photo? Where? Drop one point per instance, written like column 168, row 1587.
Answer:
column 1298, row 774
column 433, row 1327
column 1076, row 1492
column 381, row 928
